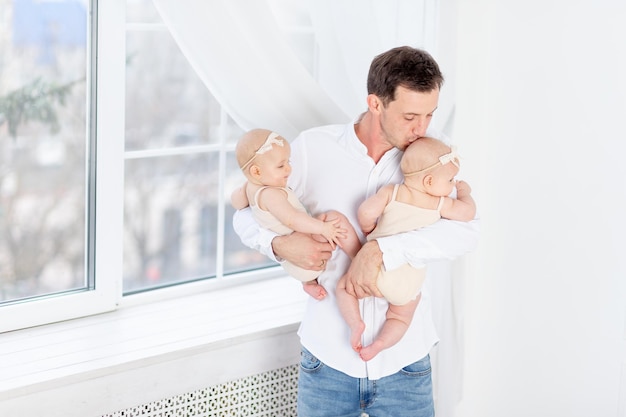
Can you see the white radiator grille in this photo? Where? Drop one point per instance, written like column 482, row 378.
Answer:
column 271, row 393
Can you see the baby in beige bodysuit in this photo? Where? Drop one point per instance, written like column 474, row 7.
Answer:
column 263, row 157
column 429, row 167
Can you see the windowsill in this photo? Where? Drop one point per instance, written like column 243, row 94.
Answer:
column 186, row 331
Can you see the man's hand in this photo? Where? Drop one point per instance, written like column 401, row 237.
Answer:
column 363, row 271
column 302, row 250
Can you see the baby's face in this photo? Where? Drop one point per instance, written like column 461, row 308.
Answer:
column 274, row 166
column 443, row 180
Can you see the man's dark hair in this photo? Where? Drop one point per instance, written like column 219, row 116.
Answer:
column 404, row 66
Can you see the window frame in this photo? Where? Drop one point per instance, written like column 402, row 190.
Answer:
column 105, row 131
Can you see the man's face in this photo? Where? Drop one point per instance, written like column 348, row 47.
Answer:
column 406, row 119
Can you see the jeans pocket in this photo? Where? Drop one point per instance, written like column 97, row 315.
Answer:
column 308, row 362
column 419, row 368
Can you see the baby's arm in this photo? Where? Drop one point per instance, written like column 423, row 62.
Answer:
column 371, row 209
column 463, row 208
column 275, row 201
column 239, row 199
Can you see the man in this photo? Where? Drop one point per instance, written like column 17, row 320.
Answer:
column 337, row 167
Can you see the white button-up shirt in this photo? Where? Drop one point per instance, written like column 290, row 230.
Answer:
column 332, row 171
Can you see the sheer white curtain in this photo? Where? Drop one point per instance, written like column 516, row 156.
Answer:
column 239, row 49
column 240, row 53
column 350, row 33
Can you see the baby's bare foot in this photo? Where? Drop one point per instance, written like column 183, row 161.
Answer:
column 314, row 289
column 356, row 332
column 368, row 352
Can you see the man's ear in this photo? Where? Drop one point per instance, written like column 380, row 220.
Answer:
column 373, row 103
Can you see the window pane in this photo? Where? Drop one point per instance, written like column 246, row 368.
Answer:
column 43, row 114
column 166, row 103
column 170, row 216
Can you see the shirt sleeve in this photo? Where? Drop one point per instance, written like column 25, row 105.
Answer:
column 445, row 239
column 252, row 235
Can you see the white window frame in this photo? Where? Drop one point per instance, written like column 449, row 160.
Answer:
column 107, row 114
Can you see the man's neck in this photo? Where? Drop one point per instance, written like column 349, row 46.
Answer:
column 367, row 129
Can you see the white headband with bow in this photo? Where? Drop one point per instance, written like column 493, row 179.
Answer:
column 266, row 147
column 452, row 156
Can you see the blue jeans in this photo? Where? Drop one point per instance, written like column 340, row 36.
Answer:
column 326, row 392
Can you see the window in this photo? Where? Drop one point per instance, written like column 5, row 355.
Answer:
column 47, row 169
column 107, row 136
column 44, row 121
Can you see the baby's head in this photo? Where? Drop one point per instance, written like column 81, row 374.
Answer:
column 263, row 157
column 430, row 164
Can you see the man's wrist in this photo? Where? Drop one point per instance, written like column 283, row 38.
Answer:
column 276, row 255
column 375, row 253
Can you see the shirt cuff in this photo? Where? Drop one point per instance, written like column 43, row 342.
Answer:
column 395, row 254
column 265, row 242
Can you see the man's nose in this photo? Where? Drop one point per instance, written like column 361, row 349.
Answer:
column 419, row 128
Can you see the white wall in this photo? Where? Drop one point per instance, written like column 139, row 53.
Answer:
column 540, row 120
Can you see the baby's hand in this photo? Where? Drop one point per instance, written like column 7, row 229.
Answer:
column 462, row 187
column 333, row 232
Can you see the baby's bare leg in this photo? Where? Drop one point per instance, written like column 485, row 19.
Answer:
column 349, row 308
column 395, row 326
column 313, row 288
